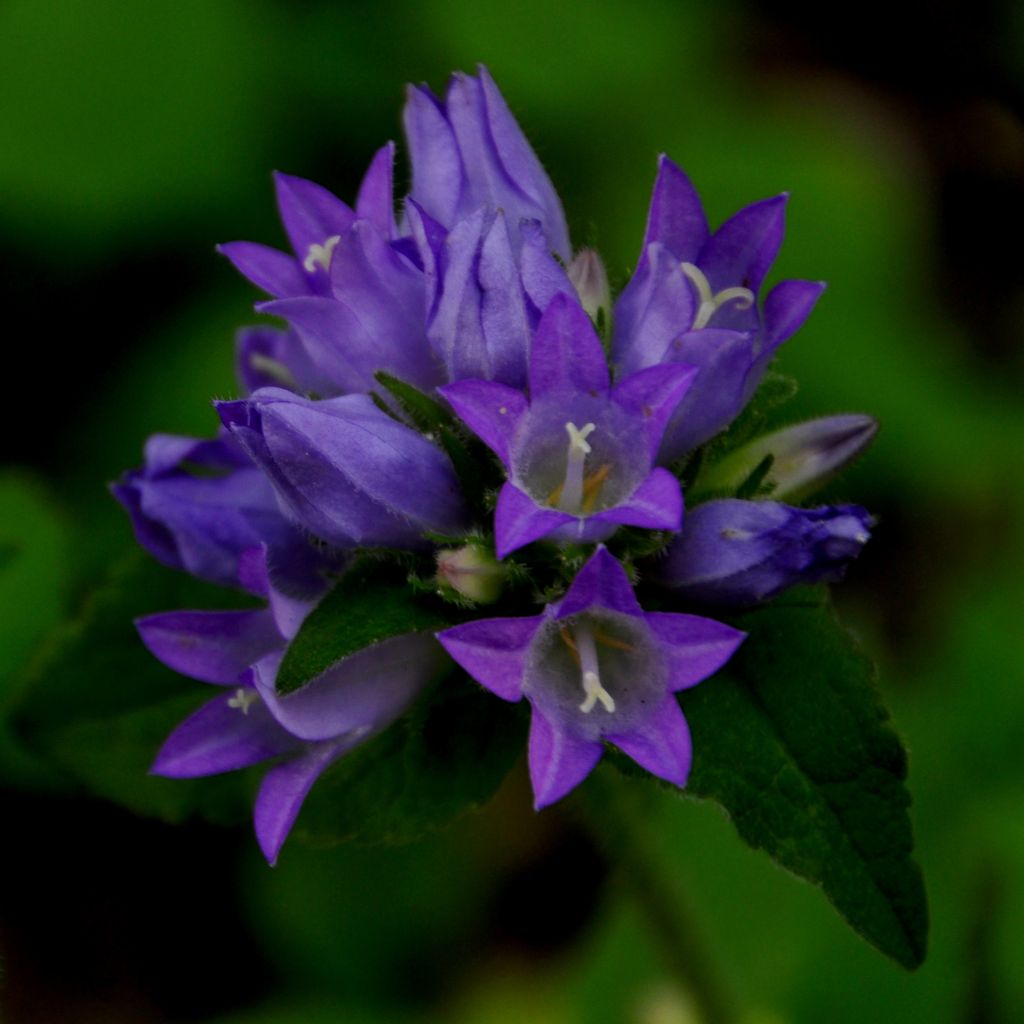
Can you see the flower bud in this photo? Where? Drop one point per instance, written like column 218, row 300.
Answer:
column 472, row 572
column 589, row 278
column 804, row 457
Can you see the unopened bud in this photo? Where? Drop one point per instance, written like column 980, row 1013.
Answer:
column 803, row 457
column 588, row 277
column 472, row 572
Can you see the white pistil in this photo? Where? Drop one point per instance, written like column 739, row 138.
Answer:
column 320, row 255
column 571, row 498
column 592, row 688
column 244, row 699
column 710, row 302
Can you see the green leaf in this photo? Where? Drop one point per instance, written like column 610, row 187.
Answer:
column 447, row 755
column 791, row 739
column 368, row 605
column 426, row 414
column 94, row 705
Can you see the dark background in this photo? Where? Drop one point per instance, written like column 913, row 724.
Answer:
column 133, row 137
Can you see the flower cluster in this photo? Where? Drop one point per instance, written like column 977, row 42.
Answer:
column 585, row 416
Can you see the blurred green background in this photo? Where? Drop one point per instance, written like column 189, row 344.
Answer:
column 135, row 136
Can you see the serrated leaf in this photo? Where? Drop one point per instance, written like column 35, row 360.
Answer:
column 447, row 755
column 792, row 740
column 365, row 607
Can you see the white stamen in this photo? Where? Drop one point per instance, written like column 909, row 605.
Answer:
column 572, row 489
column 592, row 688
column 710, row 303
column 244, row 699
column 320, row 255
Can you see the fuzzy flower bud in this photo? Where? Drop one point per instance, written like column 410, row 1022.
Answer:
column 470, row 571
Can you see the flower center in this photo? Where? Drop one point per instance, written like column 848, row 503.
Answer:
column 244, row 699
column 582, row 643
column 320, row 255
column 711, row 302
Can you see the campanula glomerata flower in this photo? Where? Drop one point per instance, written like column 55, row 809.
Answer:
column 596, row 667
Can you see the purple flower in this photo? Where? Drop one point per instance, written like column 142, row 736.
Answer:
column 248, row 723
column 594, row 667
column 346, row 471
column 579, row 452
column 738, row 553
column 315, row 221
column 197, row 505
column 693, row 299
column 468, row 152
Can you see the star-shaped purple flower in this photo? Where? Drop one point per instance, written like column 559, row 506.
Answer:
column 596, row 667
column 579, row 452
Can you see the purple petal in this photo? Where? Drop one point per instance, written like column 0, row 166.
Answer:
column 602, row 581
column 267, row 357
column 375, row 201
column 543, row 276
column 221, row 738
column 309, row 212
column 676, row 217
column 657, row 504
column 695, row 647
column 215, row 647
column 742, row 250
column 567, row 355
column 663, row 745
column 492, row 411
column 519, row 520
column 276, row 272
column 655, row 307
column 437, row 171
column 285, row 787
column 367, row 690
column 653, row 395
column 428, row 236
column 559, row 761
column 786, row 308
column 493, row 651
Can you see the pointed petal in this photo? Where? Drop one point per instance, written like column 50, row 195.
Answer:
column 786, row 308
column 437, row 172
column 375, row 201
column 559, row 762
column 220, row 738
column 743, row 249
column 694, row 647
column 656, row 306
column 276, row 272
column 676, row 217
column 567, row 356
column 367, row 690
column 663, row 745
column 653, row 394
column 602, row 581
column 428, row 236
column 491, row 410
column 493, row 651
column 285, row 787
column 215, row 647
column 519, row 520
column 657, row 504
column 309, row 212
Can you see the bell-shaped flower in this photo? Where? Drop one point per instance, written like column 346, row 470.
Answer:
column 803, row 457
column 196, row 505
column 579, row 452
column 346, row 471
column 468, row 152
column 596, row 667
column 737, row 553
column 694, row 299
column 315, row 222
column 248, row 723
